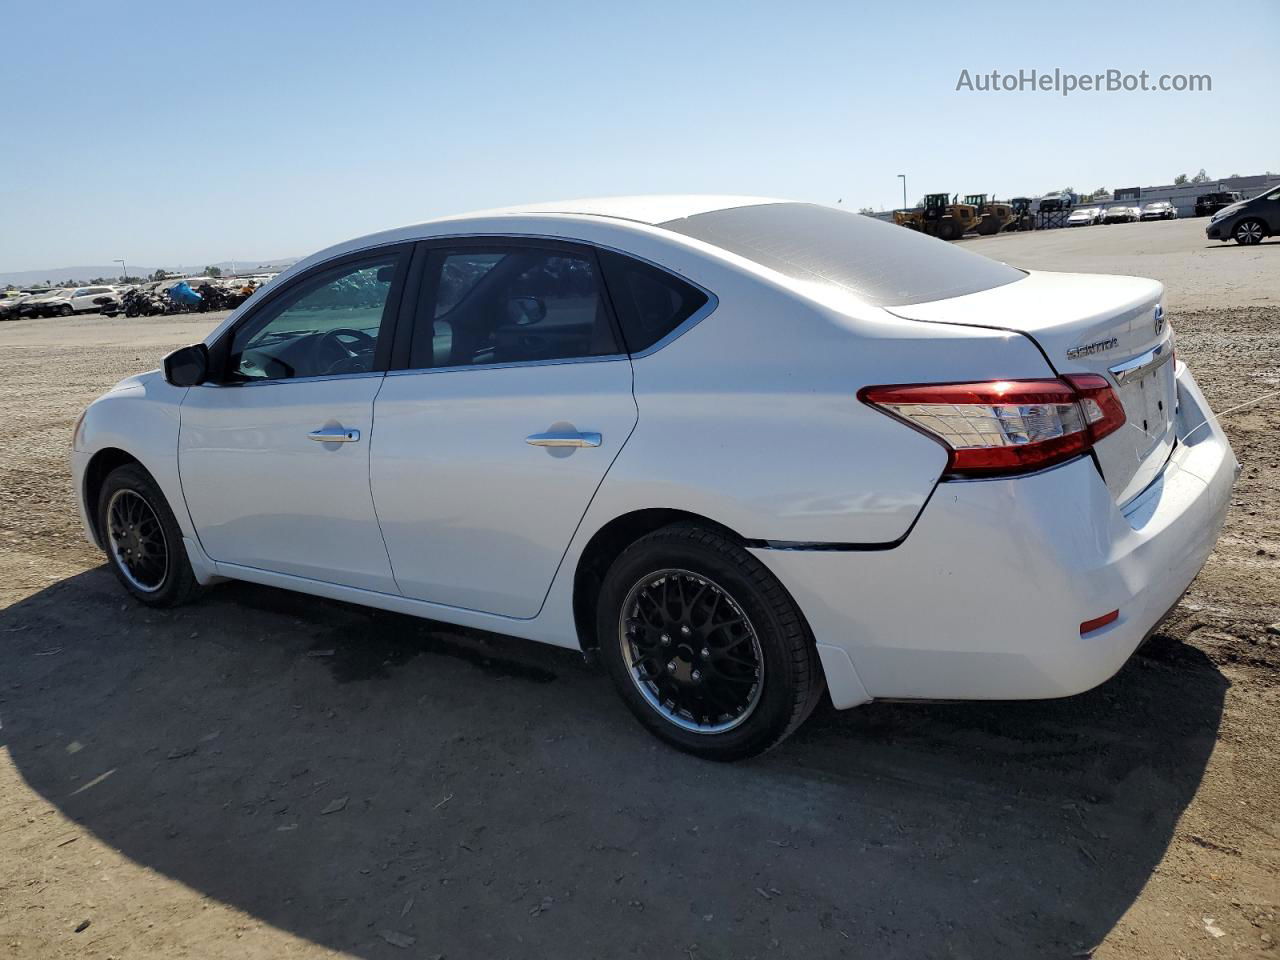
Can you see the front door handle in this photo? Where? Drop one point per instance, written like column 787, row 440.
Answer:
column 563, row 439
column 334, row 435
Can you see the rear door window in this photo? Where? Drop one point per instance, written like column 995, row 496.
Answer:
column 483, row 305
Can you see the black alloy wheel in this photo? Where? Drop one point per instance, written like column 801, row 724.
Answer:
column 142, row 539
column 704, row 645
column 1249, row 232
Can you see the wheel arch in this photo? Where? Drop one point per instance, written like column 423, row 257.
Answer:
column 95, row 474
column 607, row 544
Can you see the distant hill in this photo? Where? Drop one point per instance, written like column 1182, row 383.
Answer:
column 56, row 275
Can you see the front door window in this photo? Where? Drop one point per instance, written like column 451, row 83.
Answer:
column 327, row 326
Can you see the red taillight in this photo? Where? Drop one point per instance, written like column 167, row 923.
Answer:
column 1004, row 427
column 1102, row 410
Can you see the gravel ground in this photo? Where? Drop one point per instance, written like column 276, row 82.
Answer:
column 266, row 775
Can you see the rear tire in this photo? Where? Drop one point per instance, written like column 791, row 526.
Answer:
column 705, row 646
column 142, row 539
column 1249, row 232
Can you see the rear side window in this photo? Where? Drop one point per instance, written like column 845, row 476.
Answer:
column 882, row 263
column 651, row 303
column 483, row 305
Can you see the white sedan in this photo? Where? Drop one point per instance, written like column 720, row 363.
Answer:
column 1085, row 216
column 747, row 450
column 1160, row 210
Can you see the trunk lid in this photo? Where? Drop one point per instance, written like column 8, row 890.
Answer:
column 1090, row 323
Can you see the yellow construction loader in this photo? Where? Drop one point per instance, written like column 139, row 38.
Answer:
column 940, row 217
column 993, row 216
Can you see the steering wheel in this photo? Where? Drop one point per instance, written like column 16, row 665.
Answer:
column 347, row 359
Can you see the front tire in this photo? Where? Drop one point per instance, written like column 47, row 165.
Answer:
column 142, row 539
column 1249, row 232
column 65, row 310
column 705, row 646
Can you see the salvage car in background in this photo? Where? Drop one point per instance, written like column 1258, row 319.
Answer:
column 1056, row 201
column 1247, row 222
column 1121, row 213
column 43, row 304
column 79, row 300
column 11, row 307
column 746, row 449
column 1159, row 210
column 1085, row 216
column 1208, row 204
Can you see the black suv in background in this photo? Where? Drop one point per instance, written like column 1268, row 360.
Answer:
column 1248, row 221
column 1207, row 204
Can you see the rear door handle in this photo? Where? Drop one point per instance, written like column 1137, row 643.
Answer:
column 334, row 435
column 563, row 439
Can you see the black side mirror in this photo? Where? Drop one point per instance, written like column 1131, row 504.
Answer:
column 187, row 367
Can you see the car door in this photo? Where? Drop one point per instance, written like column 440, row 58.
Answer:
column 274, row 454
column 84, row 298
column 1269, row 208
column 512, row 398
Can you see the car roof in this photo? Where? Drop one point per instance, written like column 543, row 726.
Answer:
column 652, row 210
column 639, row 211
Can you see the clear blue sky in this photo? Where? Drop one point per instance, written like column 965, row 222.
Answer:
column 248, row 130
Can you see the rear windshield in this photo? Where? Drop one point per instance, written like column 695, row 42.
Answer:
column 882, row 263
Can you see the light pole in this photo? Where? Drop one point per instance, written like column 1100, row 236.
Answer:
column 124, row 271
column 904, row 190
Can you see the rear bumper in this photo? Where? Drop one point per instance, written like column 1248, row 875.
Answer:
column 985, row 598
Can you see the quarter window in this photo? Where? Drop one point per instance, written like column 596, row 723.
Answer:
column 326, row 325
column 517, row 304
column 650, row 302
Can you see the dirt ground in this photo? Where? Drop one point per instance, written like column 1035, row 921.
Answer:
column 266, row 775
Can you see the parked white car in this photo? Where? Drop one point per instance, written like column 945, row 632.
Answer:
column 1159, row 210
column 1085, row 216
column 746, row 449
column 78, row 300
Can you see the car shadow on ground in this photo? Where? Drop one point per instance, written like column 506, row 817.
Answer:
column 338, row 772
column 1269, row 242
